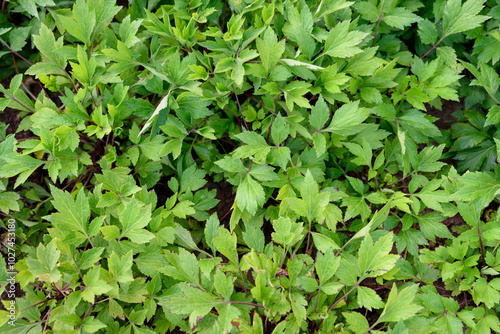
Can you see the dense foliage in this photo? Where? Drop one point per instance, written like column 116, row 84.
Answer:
column 250, row 166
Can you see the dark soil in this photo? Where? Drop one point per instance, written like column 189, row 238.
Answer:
column 444, row 116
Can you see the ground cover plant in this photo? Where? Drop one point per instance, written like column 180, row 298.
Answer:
column 250, row 166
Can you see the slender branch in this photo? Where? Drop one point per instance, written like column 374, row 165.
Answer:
column 14, row 52
column 197, row 125
column 378, row 23
column 481, row 243
column 243, row 281
column 241, row 111
column 431, row 49
column 337, row 302
column 22, row 105
column 242, row 303
column 43, row 301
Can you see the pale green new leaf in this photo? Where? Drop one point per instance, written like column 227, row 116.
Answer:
column 357, row 322
column 326, row 266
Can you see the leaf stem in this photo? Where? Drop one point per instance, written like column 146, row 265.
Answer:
column 242, row 303
column 338, row 301
column 14, row 52
column 431, row 49
column 378, row 22
column 241, row 111
column 22, row 105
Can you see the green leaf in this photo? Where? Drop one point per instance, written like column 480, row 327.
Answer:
column 331, row 80
column 226, row 245
column 82, row 24
column 92, row 325
column 287, row 233
column 150, row 260
column 134, row 217
column 94, row 285
column 73, row 214
column 299, row 28
column 368, row 298
column 427, row 159
column 250, row 195
column 212, row 227
column 120, row 268
column 223, row 284
column 90, row 257
column 319, row 114
column 45, row 266
column 298, row 303
column 346, row 118
column 431, row 227
column 427, row 32
column 192, row 301
column 18, row 38
column 24, row 165
column 279, row 130
column 323, row 243
column 255, row 146
column 341, row 43
column 183, row 266
column 458, row 18
column 326, row 266
column 270, row 50
column 357, row 322
column 477, row 185
column 400, row 18
column 8, row 201
column 184, row 238
column 363, row 153
column 400, row 305
column 374, row 259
